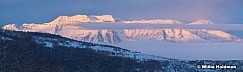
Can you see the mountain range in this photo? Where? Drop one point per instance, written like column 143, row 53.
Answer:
column 190, row 41
column 109, row 18
column 69, row 26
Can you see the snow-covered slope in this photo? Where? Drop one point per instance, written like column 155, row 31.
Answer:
column 202, row 21
column 156, row 21
column 50, row 42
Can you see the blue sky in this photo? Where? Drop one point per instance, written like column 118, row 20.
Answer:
column 40, row 11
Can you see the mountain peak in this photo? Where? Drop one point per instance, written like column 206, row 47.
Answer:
column 102, row 18
column 202, row 21
column 11, row 27
column 82, row 19
column 70, row 19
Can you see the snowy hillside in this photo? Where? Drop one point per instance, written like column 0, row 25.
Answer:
column 51, row 41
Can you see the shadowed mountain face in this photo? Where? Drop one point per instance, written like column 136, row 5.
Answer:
column 38, row 52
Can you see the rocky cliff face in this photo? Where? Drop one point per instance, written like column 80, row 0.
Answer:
column 101, row 36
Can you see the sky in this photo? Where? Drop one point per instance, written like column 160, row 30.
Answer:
column 42, row 11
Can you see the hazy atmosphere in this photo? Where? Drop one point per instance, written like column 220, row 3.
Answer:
column 40, row 11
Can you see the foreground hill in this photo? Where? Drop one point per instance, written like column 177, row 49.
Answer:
column 38, row 52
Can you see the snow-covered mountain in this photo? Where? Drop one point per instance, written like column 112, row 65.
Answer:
column 202, row 21
column 79, row 19
column 156, row 21
column 115, row 36
column 107, row 18
column 69, row 26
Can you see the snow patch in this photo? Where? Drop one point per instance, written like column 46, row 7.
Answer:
column 48, row 44
column 5, row 38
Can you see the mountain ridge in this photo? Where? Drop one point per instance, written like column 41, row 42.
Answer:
column 80, row 19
